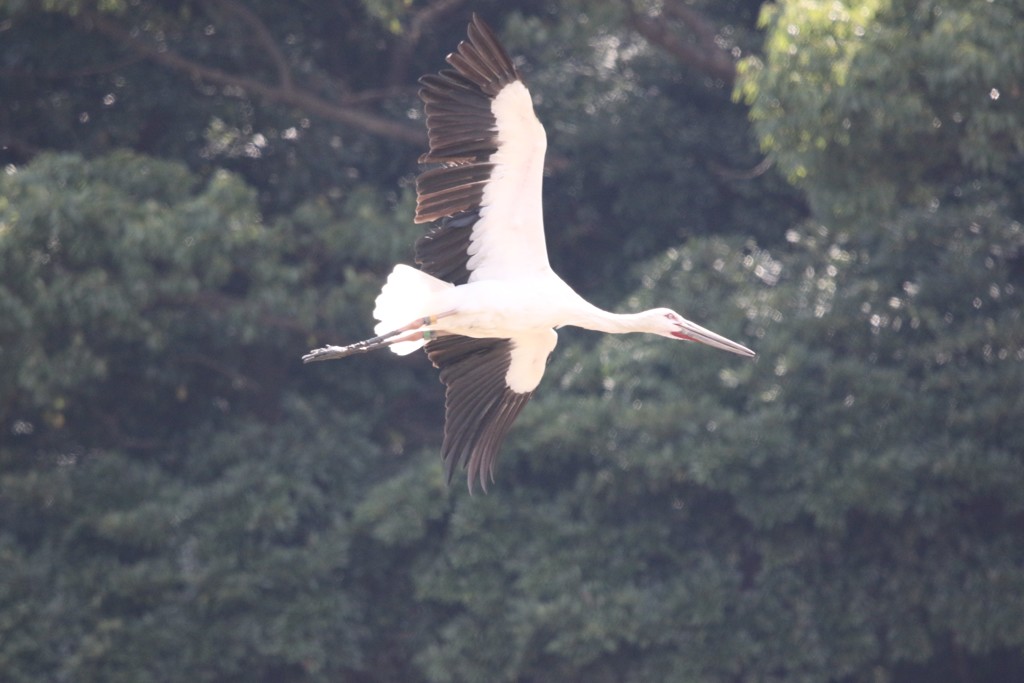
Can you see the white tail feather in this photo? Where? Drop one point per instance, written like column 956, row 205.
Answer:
column 407, row 295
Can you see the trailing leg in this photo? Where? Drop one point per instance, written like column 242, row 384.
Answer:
column 415, row 332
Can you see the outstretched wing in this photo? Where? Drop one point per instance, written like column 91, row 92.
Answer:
column 488, row 381
column 486, row 190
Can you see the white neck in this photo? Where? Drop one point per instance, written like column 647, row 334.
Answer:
column 613, row 323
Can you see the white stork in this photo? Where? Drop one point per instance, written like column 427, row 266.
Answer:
column 485, row 302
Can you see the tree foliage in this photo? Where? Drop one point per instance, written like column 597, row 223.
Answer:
column 196, row 193
column 879, row 104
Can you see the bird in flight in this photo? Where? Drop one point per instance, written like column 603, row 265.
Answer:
column 485, row 303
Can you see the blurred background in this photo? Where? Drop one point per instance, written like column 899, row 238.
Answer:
column 193, row 193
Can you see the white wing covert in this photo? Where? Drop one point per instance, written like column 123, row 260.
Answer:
column 486, row 192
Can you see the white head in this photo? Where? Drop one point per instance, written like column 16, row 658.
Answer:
column 668, row 323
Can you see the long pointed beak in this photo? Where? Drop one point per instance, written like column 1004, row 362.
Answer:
column 694, row 332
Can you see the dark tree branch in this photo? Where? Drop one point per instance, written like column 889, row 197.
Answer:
column 420, row 22
column 283, row 93
column 377, row 94
column 699, row 49
column 263, row 38
column 691, row 38
column 727, row 173
column 69, row 74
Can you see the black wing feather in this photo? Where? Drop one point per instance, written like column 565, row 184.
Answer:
column 442, row 251
column 479, row 406
column 462, row 134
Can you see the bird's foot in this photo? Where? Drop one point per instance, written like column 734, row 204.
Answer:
column 328, row 353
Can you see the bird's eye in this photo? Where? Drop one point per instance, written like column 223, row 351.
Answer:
column 672, row 316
